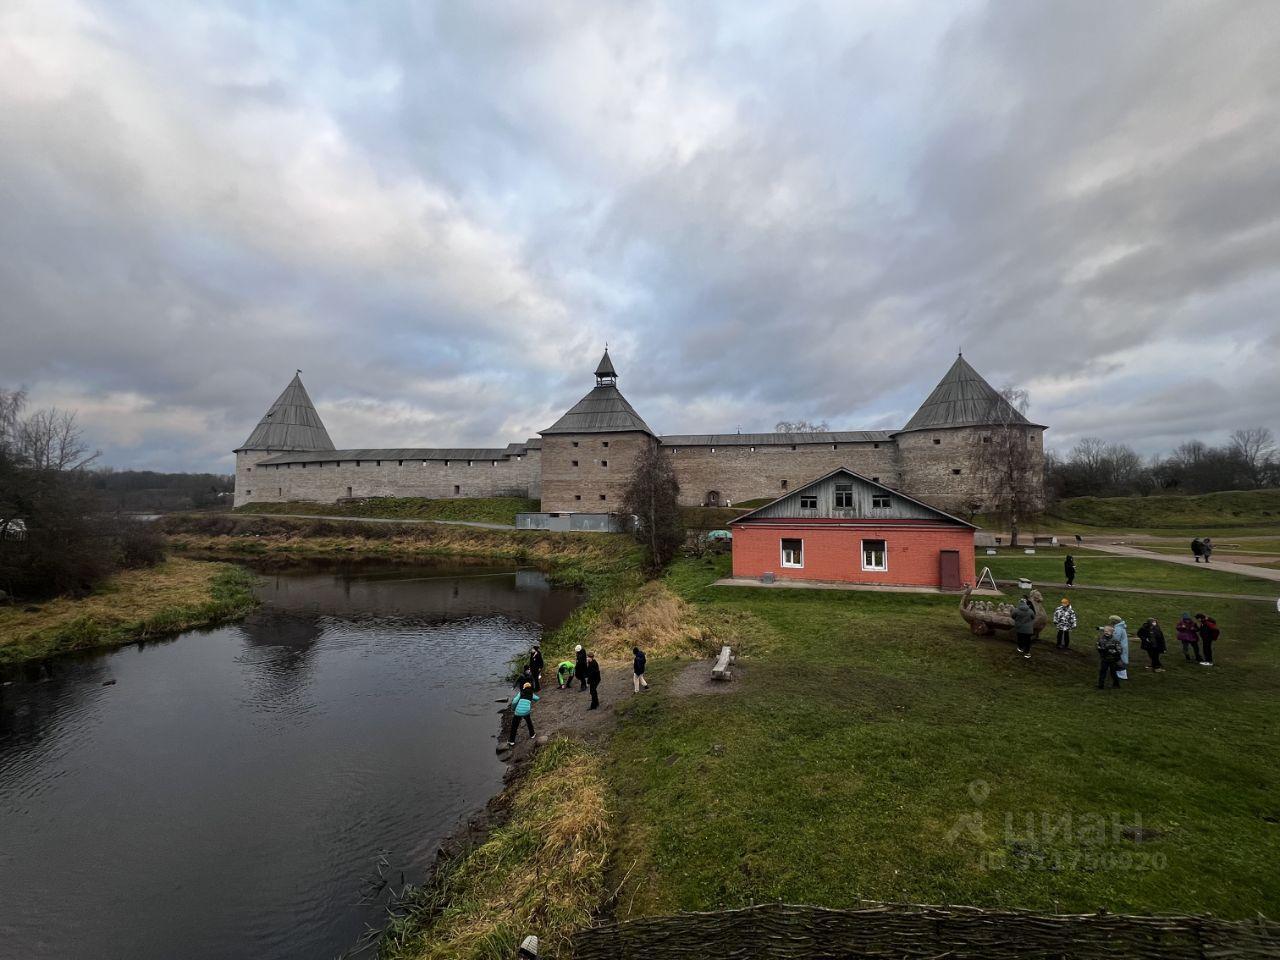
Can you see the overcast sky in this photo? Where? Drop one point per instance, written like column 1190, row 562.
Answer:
column 441, row 212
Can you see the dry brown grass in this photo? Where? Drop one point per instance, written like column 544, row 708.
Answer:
column 541, row 873
column 133, row 605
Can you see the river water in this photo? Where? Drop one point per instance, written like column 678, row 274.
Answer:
column 227, row 793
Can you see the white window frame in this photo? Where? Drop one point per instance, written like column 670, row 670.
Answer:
column 842, row 490
column 862, row 555
column 782, row 552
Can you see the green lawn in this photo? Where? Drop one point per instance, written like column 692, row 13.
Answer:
column 1230, row 508
column 1101, row 569
column 476, row 509
column 847, row 757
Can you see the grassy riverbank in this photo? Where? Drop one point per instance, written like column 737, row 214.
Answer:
column 475, row 509
column 176, row 595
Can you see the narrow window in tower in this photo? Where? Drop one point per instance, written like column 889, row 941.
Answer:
column 603, row 497
column 493, row 463
column 955, row 471
column 604, row 463
column 986, row 439
column 577, row 496
column 575, row 463
column 875, row 446
column 937, row 440
column 604, row 443
column 469, row 463
column 456, row 489
column 833, row 446
column 574, row 442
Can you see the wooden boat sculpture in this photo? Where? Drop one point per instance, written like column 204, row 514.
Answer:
column 985, row 618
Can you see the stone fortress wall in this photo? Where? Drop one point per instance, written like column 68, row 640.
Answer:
column 583, row 463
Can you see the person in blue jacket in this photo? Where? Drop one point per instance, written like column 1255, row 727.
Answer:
column 522, row 709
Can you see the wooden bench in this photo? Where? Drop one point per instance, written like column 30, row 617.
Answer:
column 720, row 669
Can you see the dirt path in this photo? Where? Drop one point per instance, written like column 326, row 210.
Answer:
column 1120, row 550
column 1062, row 587
column 567, row 711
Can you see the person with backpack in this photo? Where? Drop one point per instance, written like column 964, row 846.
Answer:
column 564, row 674
column 1064, row 618
column 1069, row 568
column 1207, row 627
column 1197, row 549
column 1189, row 637
column 1120, row 630
column 637, row 668
column 580, row 666
column 593, row 681
column 1024, row 619
column 535, row 666
column 1152, row 638
column 522, row 709
column 1108, row 657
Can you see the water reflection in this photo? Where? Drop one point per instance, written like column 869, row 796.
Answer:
column 229, row 790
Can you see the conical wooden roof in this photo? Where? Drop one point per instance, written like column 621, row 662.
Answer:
column 603, row 410
column 291, row 424
column 963, row 399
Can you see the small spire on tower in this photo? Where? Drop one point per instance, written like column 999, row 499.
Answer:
column 605, row 374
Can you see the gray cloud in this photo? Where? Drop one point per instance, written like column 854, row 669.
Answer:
column 440, row 212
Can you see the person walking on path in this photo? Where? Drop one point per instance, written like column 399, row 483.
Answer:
column 1189, row 637
column 1153, row 642
column 1108, row 657
column 1207, row 547
column 580, row 666
column 564, row 674
column 1120, row 630
column 1064, row 618
column 593, row 681
column 637, row 669
column 535, row 666
column 1024, row 618
column 1207, row 627
column 1069, row 568
column 522, row 709
column 1197, row 548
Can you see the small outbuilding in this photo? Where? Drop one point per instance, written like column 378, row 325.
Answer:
column 846, row 528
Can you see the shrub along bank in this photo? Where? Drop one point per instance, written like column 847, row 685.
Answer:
column 134, row 605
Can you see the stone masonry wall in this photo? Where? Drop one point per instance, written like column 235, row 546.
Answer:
column 588, row 473
column 436, row 479
column 739, row 473
column 944, row 467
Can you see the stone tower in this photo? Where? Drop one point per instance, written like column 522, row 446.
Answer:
column 941, row 449
column 589, row 453
column 291, row 424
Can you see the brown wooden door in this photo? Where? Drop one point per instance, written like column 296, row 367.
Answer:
column 949, row 570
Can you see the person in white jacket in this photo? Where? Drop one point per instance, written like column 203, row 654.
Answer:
column 1064, row 618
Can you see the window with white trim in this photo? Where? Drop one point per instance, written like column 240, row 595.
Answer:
column 844, row 496
column 875, row 555
column 793, row 553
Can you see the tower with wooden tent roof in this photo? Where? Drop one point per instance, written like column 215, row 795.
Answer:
column 588, row 454
column 290, row 425
column 943, row 449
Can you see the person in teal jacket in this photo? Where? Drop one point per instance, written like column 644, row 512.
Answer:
column 1121, row 634
column 522, row 709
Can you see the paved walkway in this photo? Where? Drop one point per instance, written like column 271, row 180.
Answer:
column 1244, row 569
column 1064, row 589
column 321, row 516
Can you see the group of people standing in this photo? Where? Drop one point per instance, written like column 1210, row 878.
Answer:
column 1202, row 548
column 1196, row 634
column 583, row 667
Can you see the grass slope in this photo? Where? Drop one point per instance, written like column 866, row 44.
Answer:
column 135, row 605
column 1100, row 569
column 1234, row 508
column 476, row 509
column 881, row 751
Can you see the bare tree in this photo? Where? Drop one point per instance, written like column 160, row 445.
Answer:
column 52, row 440
column 11, row 405
column 1255, row 447
column 801, row 426
column 1007, row 463
column 652, row 497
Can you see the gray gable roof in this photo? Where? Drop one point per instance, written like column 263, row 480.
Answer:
column 291, row 424
column 963, row 399
column 603, row 410
column 784, row 506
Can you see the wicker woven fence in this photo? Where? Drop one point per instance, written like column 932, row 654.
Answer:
column 929, row 933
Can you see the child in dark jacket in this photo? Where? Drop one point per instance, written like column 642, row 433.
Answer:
column 1152, row 638
column 1207, row 627
column 637, row 668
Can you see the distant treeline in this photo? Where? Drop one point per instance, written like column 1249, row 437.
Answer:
column 145, row 491
column 1094, row 468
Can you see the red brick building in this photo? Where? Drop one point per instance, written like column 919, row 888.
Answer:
column 845, row 528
